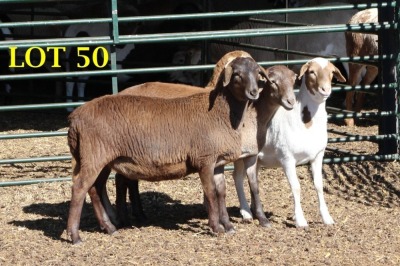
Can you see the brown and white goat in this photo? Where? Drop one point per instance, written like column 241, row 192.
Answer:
column 160, row 139
column 360, row 44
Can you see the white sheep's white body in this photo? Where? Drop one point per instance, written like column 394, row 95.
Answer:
column 298, row 137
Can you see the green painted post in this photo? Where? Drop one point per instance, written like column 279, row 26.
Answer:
column 115, row 36
column 389, row 44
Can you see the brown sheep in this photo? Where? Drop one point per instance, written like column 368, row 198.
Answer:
column 160, row 139
column 360, row 44
column 122, row 183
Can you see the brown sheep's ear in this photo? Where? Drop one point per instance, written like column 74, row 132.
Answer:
column 265, row 71
column 303, row 70
column 338, row 75
column 227, row 75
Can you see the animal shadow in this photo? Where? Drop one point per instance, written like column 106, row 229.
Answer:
column 161, row 211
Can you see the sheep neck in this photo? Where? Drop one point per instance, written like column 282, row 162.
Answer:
column 309, row 109
column 223, row 98
column 264, row 110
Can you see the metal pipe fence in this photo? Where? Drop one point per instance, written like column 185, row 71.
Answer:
column 386, row 57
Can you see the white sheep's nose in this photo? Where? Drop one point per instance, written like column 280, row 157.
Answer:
column 325, row 90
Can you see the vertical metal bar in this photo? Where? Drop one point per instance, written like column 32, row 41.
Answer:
column 114, row 31
column 389, row 43
column 205, row 44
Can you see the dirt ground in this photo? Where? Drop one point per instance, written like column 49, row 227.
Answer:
column 363, row 198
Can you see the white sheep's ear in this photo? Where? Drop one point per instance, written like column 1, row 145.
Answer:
column 227, row 75
column 303, row 70
column 338, row 75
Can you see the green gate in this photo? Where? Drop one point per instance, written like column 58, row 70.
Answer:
column 388, row 60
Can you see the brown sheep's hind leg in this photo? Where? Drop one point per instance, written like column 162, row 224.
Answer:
column 101, row 214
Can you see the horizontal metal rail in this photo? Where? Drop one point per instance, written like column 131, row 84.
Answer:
column 194, row 36
column 207, row 15
column 176, row 68
column 36, row 159
column 362, row 115
column 359, row 158
column 344, row 159
column 38, row 106
column 363, row 138
column 33, row 135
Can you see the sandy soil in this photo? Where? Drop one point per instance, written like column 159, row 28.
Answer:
column 363, row 198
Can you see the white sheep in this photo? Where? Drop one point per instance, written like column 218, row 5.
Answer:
column 360, row 44
column 296, row 137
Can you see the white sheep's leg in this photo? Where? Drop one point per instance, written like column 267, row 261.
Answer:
column 238, row 176
column 316, row 168
column 289, row 167
column 250, row 164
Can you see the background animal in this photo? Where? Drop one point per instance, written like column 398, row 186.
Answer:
column 360, row 44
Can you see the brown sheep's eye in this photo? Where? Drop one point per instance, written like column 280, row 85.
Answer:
column 261, row 77
column 237, row 77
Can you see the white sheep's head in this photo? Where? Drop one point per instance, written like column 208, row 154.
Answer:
column 318, row 74
column 244, row 78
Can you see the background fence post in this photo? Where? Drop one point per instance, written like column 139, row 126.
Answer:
column 389, row 70
column 114, row 31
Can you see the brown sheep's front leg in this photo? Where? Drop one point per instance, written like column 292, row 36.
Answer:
column 220, row 184
column 207, row 179
column 121, row 206
column 256, row 205
column 123, row 184
column 136, row 203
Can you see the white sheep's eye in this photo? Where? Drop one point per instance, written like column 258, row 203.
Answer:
column 312, row 72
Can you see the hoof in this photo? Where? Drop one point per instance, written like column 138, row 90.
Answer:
column 77, row 242
column 265, row 223
column 231, row 231
column 349, row 122
column 110, row 229
column 247, row 220
column 304, row 227
column 217, row 230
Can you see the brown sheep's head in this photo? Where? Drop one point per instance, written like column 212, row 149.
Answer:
column 279, row 86
column 244, row 78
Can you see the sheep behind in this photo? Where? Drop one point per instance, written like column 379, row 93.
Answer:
column 360, row 44
column 129, row 134
column 296, row 137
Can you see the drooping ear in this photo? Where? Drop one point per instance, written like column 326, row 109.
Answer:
column 227, row 75
column 303, row 70
column 338, row 75
column 265, row 72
